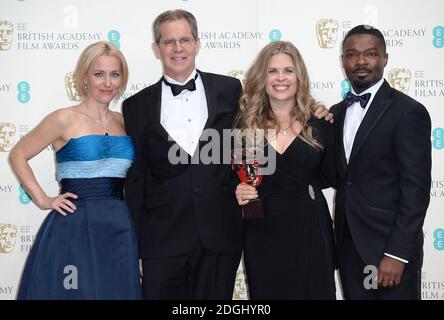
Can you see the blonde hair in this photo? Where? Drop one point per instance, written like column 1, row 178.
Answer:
column 255, row 110
column 86, row 59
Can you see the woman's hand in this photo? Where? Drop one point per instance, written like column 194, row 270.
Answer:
column 60, row 203
column 245, row 193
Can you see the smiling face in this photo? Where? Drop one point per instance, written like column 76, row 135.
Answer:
column 104, row 79
column 281, row 81
column 363, row 60
column 178, row 60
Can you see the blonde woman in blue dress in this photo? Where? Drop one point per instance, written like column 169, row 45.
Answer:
column 86, row 247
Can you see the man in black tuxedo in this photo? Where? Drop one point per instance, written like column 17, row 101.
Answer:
column 383, row 158
column 187, row 219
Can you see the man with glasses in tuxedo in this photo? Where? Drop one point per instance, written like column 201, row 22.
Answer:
column 187, row 219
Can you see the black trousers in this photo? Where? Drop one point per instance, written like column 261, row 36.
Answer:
column 351, row 272
column 197, row 275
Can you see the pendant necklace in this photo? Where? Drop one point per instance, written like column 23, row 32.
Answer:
column 98, row 121
column 285, row 131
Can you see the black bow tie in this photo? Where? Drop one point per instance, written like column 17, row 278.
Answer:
column 350, row 98
column 176, row 89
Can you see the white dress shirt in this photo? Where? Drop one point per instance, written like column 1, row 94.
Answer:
column 184, row 116
column 353, row 118
column 354, row 115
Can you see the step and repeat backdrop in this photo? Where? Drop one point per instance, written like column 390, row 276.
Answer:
column 40, row 42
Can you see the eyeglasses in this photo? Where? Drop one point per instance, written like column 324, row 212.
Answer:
column 170, row 43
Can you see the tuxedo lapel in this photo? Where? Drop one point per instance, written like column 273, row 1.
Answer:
column 378, row 107
column 154, row 109
column 211, row 96
column 340, row 136
column 155, row 99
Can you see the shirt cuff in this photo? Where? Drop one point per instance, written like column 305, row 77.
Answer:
column 395, row 257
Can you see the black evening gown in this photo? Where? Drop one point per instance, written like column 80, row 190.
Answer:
column 289, row 254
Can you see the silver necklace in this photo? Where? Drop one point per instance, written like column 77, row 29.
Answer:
column 105, row 129
column 285, row 131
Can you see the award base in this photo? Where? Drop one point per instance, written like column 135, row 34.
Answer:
column 253, row 210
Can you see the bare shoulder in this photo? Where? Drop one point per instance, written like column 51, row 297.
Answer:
column 51, row 130
column 119, row 117
column 61, row 116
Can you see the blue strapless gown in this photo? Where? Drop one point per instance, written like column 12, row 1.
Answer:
column 91, row 253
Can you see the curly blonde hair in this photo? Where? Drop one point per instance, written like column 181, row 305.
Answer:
column 255, row 110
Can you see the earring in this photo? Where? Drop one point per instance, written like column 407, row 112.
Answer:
column 86, row 87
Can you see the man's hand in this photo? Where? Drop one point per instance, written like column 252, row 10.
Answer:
column 320, row 111
column 390, row 272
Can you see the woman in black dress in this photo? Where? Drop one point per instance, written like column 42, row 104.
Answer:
column 289, row 252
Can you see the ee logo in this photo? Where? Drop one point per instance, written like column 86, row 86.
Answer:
column 438, row 138
column 275, row 35
column 346, row 87
column 438, row 235
column 438, row 37
column 114, row 37
column 24, row 197
column 23, row 88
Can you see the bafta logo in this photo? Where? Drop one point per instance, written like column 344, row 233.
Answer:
column 240, row 286
column 327, row 32
column 6, row 31
column 239, row 74
column 7, row 136
column 399, row 78
column 8, row 234
column 71, row 87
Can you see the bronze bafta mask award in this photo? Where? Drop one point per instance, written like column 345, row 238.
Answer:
column 248, row 169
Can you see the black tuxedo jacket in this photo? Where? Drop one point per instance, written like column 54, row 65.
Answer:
column 384, row 191
column 176, row 205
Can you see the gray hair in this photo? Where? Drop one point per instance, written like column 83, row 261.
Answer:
column 173, row 15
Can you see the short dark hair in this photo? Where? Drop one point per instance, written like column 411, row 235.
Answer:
column 366, row 29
